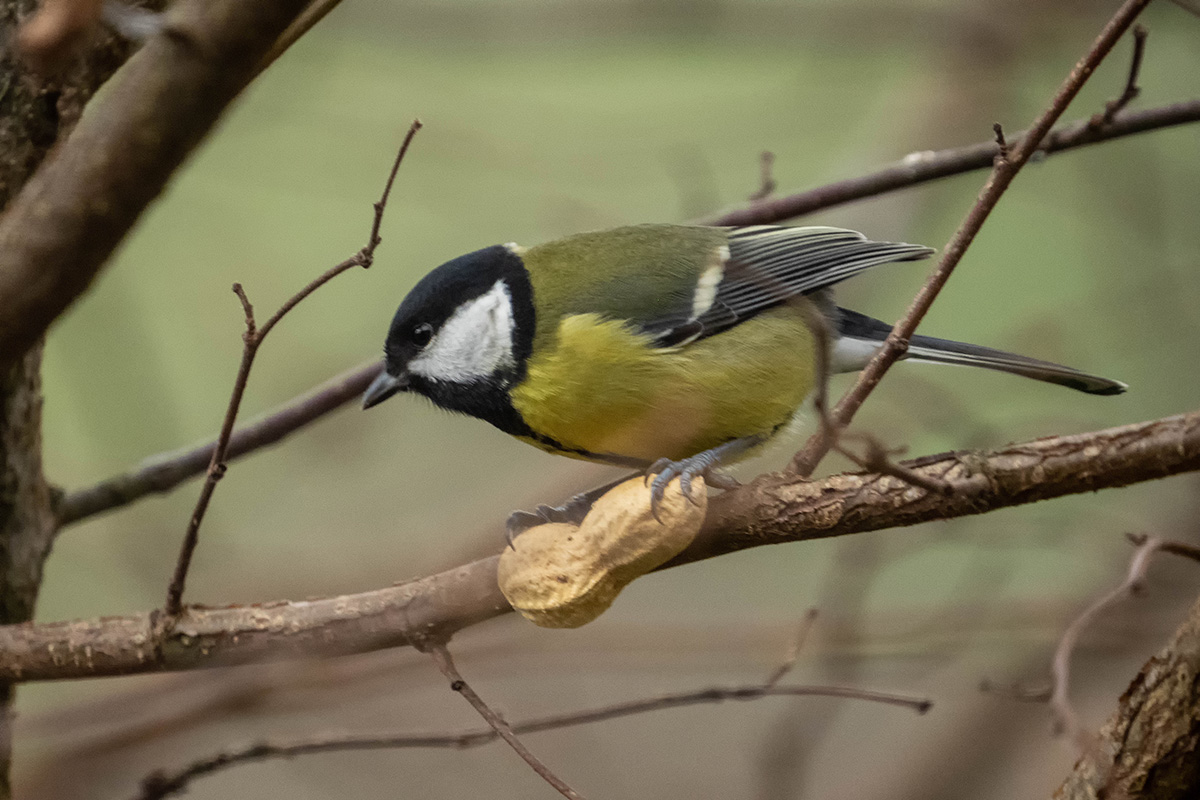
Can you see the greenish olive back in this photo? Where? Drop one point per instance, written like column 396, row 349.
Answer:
column 636, row 273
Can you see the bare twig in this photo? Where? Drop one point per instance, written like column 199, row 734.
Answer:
column 877, row 459
column 445, row 663
column 922, row 167
column 766, row 186
column 253, row 339
column 1131, row 90
column 1016, row 692
column 162, row 784
column 772, row 509
column 1066, row 721
column 1001, row 142
column 793, row 653
column 1002, row 175
column 317, row 10
column 164, row 472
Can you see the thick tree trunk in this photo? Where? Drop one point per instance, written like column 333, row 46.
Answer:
column 26, row 522
column 34, row 113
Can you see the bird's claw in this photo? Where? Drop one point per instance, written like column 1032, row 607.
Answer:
column 687, row 470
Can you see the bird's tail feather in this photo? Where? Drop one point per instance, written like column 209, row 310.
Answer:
column 869, row 331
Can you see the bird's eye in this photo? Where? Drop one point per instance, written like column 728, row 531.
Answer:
column 421, row 334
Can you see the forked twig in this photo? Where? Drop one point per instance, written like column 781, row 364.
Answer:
column 766, row 186
column 252, row 340
column 1131, row 90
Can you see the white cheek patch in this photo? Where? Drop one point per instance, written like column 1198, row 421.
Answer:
column 475, row 342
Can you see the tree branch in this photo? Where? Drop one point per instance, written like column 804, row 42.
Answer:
column 773, row 509
column 1009, row 161
column 163, row 472
column 67, row 220
column 930, row 165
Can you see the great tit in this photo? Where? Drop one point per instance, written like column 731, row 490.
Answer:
column 671, row 347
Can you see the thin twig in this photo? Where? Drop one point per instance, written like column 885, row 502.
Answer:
column 216, row 466
column 163, row 472
column 766, row 185
column 793, row 653
column 445, row 663
column 162, row 784
column 1131, row 90
column 1066, row 721
column 1001, row 142
column 308, row 19
column 252, row 340
column 1002, row 175
column 1016, row 692
column 877, row 459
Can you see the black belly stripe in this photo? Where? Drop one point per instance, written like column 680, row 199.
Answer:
column 607, row 458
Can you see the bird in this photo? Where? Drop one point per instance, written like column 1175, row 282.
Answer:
column 670, row 349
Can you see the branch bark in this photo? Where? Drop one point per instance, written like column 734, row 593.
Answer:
column 71, row 215
column 771, row 510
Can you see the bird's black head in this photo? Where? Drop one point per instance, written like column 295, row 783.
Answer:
column 462, row 335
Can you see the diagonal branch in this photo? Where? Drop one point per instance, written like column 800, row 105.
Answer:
column 771, row 510
column 1009, row 161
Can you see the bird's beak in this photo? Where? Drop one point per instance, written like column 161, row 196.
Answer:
column 383, row 387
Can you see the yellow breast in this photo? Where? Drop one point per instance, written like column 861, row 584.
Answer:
column 599, row 387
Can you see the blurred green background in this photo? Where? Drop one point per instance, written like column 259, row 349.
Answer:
column 546, row 118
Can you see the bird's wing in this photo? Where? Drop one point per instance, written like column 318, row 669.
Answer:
column 762, row 266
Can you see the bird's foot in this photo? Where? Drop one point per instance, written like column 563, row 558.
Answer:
column 702, row 465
